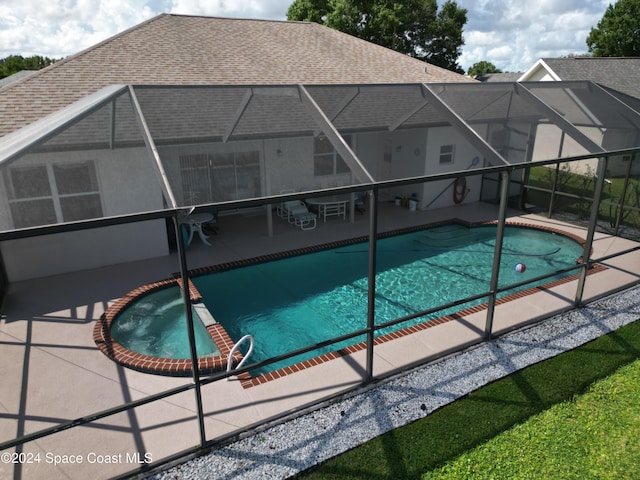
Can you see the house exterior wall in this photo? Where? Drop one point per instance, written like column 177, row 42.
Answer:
column 440, row 194
column 619, row 166
column 416, row 152
column 609, row 140
column 539, row 72
column 539, row 75
column 408, row 157
column 369, row 148
column 68, row 252
column 551, row 144
column 286, row 164
column 119, row 173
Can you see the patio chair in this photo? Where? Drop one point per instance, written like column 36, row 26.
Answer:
column 360, row 202
column 297, row 213
column 281, row 208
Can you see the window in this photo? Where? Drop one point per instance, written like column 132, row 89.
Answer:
column 78, row 191
column 220, row 177
column 326, row 161
column 447, row 153
column 53, row 193
column 194, row 172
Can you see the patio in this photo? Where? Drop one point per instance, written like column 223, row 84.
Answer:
column 54, row 373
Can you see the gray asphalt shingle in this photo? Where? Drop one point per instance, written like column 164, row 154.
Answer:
column 189, row 50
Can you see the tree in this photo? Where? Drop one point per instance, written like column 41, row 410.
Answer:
column 482, row 67
column 309, row 10
column 446, row 43
column 16, row 63
column 413, row 27
column 618, row 33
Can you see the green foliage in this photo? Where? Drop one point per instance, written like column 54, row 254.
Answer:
column 309, row 10
column 16, row 63
column 505, row 410
column 482, row 67
column 574, row 194
column 414, row 27
column 594, row 435
column 618, row 33
column 447, row 41
column 627, row 208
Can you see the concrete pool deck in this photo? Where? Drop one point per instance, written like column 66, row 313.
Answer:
column 54, row 373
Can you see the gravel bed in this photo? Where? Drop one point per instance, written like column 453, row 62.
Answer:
column 288, row 448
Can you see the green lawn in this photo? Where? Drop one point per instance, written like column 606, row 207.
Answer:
column 576, row 415
column 595, row 435
column 583, row 186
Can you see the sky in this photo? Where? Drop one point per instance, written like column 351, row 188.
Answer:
column 511, row 34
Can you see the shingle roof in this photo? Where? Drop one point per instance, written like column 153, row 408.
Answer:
column 16, row 76
column 499, row 77
column 188, row 50
column 620, row 74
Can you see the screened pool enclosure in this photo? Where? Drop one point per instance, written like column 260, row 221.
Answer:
column 114, row 177
column 135, row 153
column 138, row 152
column 130, row 150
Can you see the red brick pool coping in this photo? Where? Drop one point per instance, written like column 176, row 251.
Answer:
column 218, row 363
column 158, row 365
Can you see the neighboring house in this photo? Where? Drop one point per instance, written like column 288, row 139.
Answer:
column 619, row 76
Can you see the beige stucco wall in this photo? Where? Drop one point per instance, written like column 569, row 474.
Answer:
column 73, row 251
column 128, row 184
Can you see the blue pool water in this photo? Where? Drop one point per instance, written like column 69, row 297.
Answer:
column 295, row 302
column 155, row 324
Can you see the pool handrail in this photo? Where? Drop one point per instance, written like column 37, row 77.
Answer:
column 245, row 357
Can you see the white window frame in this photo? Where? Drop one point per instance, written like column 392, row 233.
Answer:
column 447, row 154
column 338, row 165
column 54, row 196
column 198, row 176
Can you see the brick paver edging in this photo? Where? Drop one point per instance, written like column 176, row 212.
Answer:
column 158, row 365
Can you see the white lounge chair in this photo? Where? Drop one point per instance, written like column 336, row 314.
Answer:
column 297, row 213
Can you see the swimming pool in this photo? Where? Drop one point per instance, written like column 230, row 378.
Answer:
column 299, row 301
column 305, row 298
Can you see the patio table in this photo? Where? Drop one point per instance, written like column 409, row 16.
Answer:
column 334, row 205
column 194, row 224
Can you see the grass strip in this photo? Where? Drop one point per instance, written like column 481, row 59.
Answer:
column 410, row 451
column 596, row 435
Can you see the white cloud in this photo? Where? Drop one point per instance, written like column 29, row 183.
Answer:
column 264, row 9
column 513, row 35
column 60, row 28
column 57, row 28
